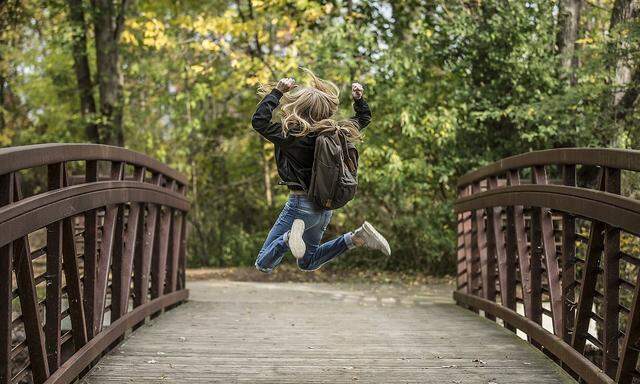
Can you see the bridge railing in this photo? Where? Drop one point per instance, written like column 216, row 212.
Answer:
column 557, row 257
column 92, row 242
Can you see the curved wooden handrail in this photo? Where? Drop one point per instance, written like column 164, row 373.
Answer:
column 30, row 156
column 38, row 211
column 519, row 241
column 615, row 210
column 131, row 230
column 605, row 157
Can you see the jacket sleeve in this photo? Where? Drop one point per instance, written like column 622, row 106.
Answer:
column 363, row 113
column 261, row 120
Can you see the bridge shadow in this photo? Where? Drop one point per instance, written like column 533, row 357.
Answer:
column 314, row 332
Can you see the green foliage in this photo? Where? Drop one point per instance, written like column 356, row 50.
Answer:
column 452, row 85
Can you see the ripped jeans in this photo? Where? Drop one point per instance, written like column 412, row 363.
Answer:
column 315, row 223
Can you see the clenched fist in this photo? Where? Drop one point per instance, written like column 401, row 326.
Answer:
column 357, row 91
column 286, row 84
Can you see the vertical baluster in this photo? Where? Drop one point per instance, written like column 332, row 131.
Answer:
column 6, row 309
column 183, row 252
column 506, row 267
column 611, row 276
column 122, row 274
column 55, row 174
column 147, row 248
column 461, row 259
column 90, row 254
column 550, row 258
column 568, row 258
column 487, row 265
column 159, row 261
column 588, row 281
column 468, row 240
column 517, row 246
column 29, row 302
column 110, row 240
column 176, row 236
column 536, row 260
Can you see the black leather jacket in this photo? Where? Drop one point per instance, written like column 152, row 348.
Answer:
column 294, row 155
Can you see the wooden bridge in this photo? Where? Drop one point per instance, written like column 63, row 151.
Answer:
column 92, row 252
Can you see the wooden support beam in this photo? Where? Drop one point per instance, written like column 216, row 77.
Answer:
column 487, row 264
column 53, row 301
column 611, row 268
column 29, row 302
column 506, row 268
column 588, row 281
column 568, row 258
column 6, row 267
column 550, row 257
column 90, row 255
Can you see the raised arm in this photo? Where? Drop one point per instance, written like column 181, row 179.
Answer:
column 360, row 106
column 261, row 120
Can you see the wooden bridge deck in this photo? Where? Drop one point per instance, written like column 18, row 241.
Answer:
column 234, row 332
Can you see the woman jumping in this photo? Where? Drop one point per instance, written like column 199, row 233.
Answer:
column 308, row 111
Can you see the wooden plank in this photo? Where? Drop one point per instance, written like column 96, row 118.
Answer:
column 568, row 258
column 611, row 278
column 29, row 302
column 111, row 226
column 487, row 264
column 53, row 301
column 6, row 266
column 550, row 258
column 506, row 269
column 428, row 340
column 588, row 281
column 90, row 255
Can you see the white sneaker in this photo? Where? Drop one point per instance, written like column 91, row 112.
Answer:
column 372, row 238
column 296, row 243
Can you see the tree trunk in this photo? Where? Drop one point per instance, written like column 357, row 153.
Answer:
column 82, row 70
column 107, row 28
column 625, row 92
column 568, row 25
column 266, row 169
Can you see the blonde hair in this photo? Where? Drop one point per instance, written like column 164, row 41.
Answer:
column 307, row 109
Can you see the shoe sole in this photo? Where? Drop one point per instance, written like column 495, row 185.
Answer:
column 296, row 243
column 379, row 238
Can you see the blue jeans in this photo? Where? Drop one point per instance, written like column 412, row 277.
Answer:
column 315, row 223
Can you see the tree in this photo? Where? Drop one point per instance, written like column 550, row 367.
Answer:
column 108, row 26
column 82, row 70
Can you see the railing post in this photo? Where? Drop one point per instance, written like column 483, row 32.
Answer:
column 53, row 301
column 6, row 269
column 90, row 254
column 536, row 260
column 497, row 251
column 611, row 270
column 568, row 258
column 487, row 266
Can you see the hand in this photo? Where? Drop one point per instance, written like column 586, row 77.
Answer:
column 286, row 84
column 357, row 91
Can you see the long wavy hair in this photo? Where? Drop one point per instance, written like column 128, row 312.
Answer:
column 311, row 108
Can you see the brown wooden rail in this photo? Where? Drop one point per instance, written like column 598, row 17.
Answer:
column 559, row 262
column 83, row 262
